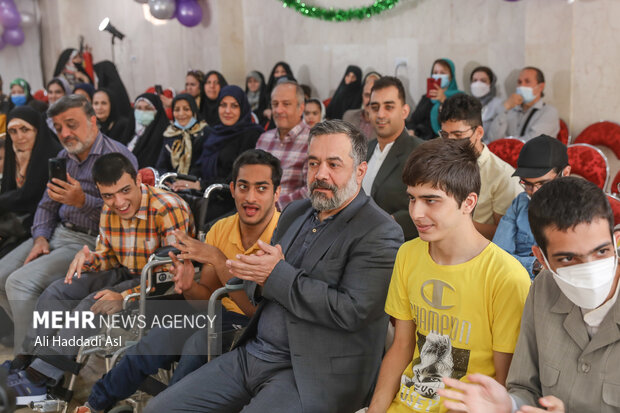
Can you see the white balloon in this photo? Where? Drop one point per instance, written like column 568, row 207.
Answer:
column 28, row 19
column 162, row 9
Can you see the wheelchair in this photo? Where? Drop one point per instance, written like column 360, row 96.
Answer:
column 155, row 283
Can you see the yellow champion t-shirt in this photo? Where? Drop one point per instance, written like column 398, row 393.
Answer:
column 462, row 314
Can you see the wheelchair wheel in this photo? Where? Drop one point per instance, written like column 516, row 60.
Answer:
column 121, row 409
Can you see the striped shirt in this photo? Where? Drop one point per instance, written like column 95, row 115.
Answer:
column 292, row 151
column 130, row 242
column 50, row 213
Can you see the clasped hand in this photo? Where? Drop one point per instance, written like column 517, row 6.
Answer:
column 256, row 267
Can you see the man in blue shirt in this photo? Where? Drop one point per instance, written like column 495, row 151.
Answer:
column 541, row 160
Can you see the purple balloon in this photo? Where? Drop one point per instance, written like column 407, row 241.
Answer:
column 189, row 12
column 14, row 37
column 9, row 16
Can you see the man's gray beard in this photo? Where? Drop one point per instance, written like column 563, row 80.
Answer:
column 80, row 147
column 341, row 195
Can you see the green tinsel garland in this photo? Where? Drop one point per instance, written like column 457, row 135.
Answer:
column 339, row 15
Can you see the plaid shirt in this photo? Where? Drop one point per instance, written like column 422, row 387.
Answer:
column 130, row 242
column 50, row 213
column 292, row 151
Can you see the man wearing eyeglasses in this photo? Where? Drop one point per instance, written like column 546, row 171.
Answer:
column 460, row 117
column 541, row 160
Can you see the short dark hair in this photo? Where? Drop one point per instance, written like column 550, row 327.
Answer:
column 109, row 168
column 447, row 164
column 387, row 81
column 69, row 102
column 540, row 76
column 258, row 157
column 359, row 144
column 461, row 107
column 565, row 203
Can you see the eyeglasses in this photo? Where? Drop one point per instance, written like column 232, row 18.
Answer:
column 458, row 134
column 529, row 186
column 13, row 131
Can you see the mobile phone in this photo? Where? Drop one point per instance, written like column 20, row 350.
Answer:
column 57, row 168
column 430, row 85
column 159, row 90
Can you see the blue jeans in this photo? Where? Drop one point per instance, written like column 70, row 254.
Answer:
column 158, row 349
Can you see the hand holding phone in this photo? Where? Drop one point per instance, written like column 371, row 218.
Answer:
column 57, row 168
column 432, row 84
column 159, row 90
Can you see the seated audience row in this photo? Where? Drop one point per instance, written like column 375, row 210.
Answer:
column 320, row 289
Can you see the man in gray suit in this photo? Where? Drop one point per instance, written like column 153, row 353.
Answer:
column 568, row 350
column 316, row 340
column 388, row 154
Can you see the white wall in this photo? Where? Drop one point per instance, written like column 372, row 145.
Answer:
column 574, row 44
column 23, row 61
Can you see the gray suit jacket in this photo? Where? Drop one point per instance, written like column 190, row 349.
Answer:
column 335, row 316
column 388, row 189
column 555, row 356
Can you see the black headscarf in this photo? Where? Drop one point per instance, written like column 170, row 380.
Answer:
column 190, row 101
column 25, row 199
column 149, row 144
column 208, row 107
column 273, row 80
column 222, row 135
column 108, row 77
column 346, row 96
column 115, row 126
column 86, row 87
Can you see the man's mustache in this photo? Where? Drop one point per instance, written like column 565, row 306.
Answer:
column 322, row 185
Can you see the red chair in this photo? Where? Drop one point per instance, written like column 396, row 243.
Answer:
column 602, row 134
column 589, row 162
column 149, row 176
column 41, row 95
column 563, row 135
column 507, row 149
column 614, row 201
column 615, row 184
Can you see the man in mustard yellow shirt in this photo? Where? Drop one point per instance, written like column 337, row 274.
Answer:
column 255, row 188
column 457, row 298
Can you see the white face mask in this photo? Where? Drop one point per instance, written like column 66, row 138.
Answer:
column 480, row 89
column 588, row 284
column 443, row 78
column 527, row 93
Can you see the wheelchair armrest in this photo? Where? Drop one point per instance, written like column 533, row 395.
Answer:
column 234, row 281
column 234, row 284
column 191, row 178
column 163, row 251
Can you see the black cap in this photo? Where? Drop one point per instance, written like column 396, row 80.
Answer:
column 539, row 156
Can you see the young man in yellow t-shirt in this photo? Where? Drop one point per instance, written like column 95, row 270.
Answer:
column 457, row 298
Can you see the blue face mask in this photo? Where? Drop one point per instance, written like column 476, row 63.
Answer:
column 18, row 100
column 527, row 93
column 191, row 123
column 144, row 117
column 445, row 80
